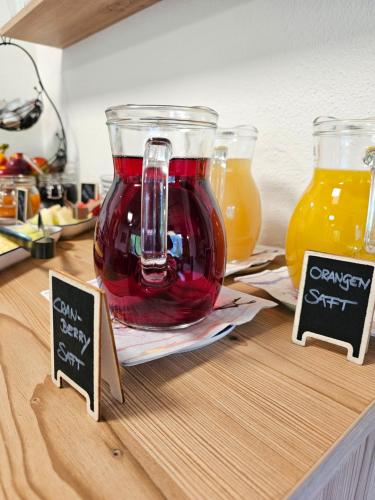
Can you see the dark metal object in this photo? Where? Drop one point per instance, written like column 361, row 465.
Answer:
column 20, row 115
column 17, row 115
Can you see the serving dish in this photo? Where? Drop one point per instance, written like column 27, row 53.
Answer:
column 70, row 230
column 19, row 254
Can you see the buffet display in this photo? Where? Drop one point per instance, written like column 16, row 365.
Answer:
column 183, row 210
column 52, row 202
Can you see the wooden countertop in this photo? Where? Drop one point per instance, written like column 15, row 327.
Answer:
column 250, row 416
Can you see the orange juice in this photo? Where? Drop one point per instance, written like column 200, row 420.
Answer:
column 8, row 195
column 7, row 205
column 34, row 203
column 330, row 217
column 239, row 201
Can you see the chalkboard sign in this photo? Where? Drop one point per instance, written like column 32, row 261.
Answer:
column 336, row 302
column 22, row 204
column 89, row 192
column 80, row 333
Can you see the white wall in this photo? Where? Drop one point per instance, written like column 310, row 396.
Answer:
column 274, row 63
column 17, row 79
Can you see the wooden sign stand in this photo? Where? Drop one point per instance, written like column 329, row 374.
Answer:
column 336, row 302
column 82, row 344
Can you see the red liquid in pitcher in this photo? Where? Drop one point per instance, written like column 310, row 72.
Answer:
column 196, row 247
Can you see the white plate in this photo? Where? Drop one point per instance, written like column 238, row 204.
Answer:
column 71, row 230
column 19, row 254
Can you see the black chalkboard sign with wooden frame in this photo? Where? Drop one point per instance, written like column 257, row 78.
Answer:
column 89, row 191
column 22, row 204
column 336, row 302
column 82, row 344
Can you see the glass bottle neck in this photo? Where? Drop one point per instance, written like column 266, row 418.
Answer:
column 342, row 152
column 131, row 167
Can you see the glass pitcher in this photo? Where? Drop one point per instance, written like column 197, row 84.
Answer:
column 332, row 213
column 159, row 248
column 235, row 189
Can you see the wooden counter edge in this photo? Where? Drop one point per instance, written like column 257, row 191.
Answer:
column 324, row 470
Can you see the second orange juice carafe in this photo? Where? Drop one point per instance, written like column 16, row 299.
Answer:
column 332, row 213
column 235, row 189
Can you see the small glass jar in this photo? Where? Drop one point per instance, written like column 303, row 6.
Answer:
column 8, row 189
column 105, row 184
column 7, row 199
column 69, row 185
column 56, row 188
column 51, row 190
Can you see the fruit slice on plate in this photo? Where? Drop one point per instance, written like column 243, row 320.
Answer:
column 57, row 216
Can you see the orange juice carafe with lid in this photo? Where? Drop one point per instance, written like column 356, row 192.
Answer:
column 235, row 189
column 335, row 213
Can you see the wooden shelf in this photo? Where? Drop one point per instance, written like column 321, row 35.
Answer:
column 61, row 23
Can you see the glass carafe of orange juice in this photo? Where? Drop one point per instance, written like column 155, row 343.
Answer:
column 235, row 189
column 331, row 215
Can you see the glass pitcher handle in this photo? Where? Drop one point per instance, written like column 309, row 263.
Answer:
column 154, row 210
column 369, row 160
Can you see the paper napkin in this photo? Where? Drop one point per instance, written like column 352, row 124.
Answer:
column 279, row 285
column 232, row 308
column 263, row 254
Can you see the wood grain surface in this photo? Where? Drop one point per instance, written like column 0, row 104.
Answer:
column 251, row 416
column 61, row 23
